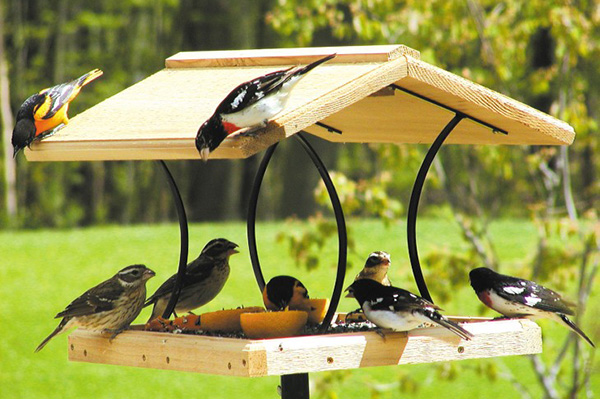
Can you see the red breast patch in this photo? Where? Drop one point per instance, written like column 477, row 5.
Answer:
column 484, row 296
column 230, row 127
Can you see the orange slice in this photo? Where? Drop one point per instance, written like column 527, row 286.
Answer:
column 226, row 320
column 319, row 307
column 273, row 324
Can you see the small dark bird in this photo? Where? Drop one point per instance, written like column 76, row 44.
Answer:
column 250, row 105
column 376, row 268
column 286, row 292
column 516, row 297
column 44, row 113
column 398, row 309
column 204, row 279
column 109, row 307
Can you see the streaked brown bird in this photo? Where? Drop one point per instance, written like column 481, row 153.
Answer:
column 110, row 306
column 204, row 279
column 286, row 292
column 376, row 268
column 44, row 113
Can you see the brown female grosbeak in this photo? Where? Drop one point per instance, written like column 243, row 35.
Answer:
column 109, row 307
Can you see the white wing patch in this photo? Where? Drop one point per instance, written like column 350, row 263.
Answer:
column 532, row 300
column 238, row 99
column 513, row 290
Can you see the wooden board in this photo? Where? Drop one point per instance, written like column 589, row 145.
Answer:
column 158, row 117
column 256, row 358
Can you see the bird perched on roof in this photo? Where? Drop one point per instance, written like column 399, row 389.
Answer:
column 376, row 268
column 516, row 297
column 398, row 309
column 286, row 292
column 251, row 105
column 44, row 113
column 204, row 279
column 109, row 307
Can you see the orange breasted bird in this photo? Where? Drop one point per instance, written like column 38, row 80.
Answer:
column 44, row 113
column 517, row 297
column 251, row 105
column 286, row 292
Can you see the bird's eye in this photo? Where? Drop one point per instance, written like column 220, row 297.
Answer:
column 135, row 272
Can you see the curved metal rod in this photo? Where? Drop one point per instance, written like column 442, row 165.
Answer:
column 183, row 252
column 411, row 223
column 339, row 215
column 341, row 227
column 251, row 218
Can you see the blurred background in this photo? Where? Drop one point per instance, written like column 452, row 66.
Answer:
column 541, row 201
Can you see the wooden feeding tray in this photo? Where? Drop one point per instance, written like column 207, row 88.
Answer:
column 361, row 93
column 303, row 354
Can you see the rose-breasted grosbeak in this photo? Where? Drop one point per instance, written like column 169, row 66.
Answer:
column 204, row 278
column 44, row 113
column 516, row 297
column 110, row 306
column 283, row 292
column 398, row 309
column 376, row 268
column 250, row 105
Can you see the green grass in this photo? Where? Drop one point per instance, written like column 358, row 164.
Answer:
column 43, row 270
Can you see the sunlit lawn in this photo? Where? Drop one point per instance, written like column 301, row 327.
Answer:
column 42, row 271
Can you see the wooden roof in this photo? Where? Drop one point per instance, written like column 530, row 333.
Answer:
column 158, row 117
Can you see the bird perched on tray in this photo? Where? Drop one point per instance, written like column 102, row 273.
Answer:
column 204, row 278
column 516, row 297
column 376, row 268
column 44, row 113
column 109, row 307
column 250, row 105
column 286, row 292
column 398, row 309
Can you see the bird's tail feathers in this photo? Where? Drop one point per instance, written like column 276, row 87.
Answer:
column 60, row 328
column 576, row 329
column 452, row 326
column 88, row 77
column 313, row 65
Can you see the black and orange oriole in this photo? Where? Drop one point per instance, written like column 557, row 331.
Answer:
column 44, row 113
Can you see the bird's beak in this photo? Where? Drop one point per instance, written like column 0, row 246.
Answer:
column 148, row 274
column 204, row 153
column 233, row 250
column 349, row 294
column 16, row 151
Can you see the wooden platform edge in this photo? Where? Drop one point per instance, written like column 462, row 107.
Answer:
column 255, row 358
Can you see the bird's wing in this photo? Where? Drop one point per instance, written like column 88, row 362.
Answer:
column 533, row 295
column 250, row 92
column 97, row 299
column 56, row 97
column 399, row 300
column 196, row 271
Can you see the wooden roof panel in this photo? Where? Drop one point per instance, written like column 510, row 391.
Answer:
column 158, row 117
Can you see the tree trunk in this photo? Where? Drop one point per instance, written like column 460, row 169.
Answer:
column 10, row 176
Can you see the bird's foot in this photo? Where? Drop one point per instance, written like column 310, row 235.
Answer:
column 114, row 332
column 253, row 131
column 380, row 332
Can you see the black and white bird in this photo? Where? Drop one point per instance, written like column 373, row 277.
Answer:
column 398, row 309
column 204, row 279
column 110, row 306
column 516, row 297
column 251, row 105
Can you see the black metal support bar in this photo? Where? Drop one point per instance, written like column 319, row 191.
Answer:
column 413, row 206
column 330, row 129
column 251, row 218
column 184, row 247
column 294, row 386
column 477, row 120
column 341, row 227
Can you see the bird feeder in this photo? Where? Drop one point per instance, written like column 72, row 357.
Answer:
column 367, row 94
